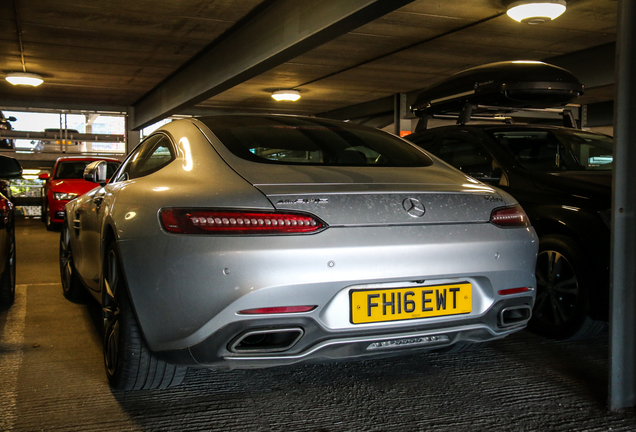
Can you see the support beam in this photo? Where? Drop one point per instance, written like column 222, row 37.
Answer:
column 377, row 107
column 133, row 137
column 622, row 387
column 280, row 32
column 599, row 114
column 594, row 67
column 70, row 108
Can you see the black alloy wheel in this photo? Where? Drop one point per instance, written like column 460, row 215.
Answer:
column 129, row 364
column 110, row 307
column 562, row 300
column 7, row 279
column 72, row 287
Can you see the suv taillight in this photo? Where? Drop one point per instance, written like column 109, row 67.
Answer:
column 233, row 222
column 509, row 217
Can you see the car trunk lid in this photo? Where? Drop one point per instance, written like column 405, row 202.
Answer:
column 375, row 196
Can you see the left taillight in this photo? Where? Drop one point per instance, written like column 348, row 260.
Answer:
column 509, row 217
column 237, row 222
column 5, row 210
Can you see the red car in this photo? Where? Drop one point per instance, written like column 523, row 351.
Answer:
column 66, row 183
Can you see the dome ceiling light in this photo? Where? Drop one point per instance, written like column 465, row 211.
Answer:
column 24, row 78
column 536, row 11
column 286, row 95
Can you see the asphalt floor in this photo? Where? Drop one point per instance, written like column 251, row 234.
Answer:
column 52, row 379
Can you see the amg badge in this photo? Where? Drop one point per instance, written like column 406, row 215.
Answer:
column 303, row 201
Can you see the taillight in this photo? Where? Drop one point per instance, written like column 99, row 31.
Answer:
column 5, row 208
column 509, row 217
column 190, row 221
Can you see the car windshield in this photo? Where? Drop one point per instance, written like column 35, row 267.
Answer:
column 75, row 169
column 312, row 141
column 558, row 150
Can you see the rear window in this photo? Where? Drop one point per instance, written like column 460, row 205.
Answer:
column 309, row 141
column 75, row 169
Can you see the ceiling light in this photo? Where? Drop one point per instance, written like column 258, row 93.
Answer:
column 536, row 11
column 286, row 95
column 24, row 78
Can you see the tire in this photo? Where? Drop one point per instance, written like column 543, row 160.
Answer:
column 563, row 291
column 7, row 279
column 72, row 287
column 47, row 220
column 129, row 363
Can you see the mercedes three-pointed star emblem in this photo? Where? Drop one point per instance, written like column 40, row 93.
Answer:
column 414, row 207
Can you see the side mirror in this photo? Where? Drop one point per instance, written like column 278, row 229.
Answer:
column 11, row 119
column 10, row 167
column 44, row 176
column 95, row 172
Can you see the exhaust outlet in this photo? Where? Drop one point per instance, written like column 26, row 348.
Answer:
column 514, row 315
column 266, row 340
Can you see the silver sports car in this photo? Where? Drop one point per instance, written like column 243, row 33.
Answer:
column 254, row 241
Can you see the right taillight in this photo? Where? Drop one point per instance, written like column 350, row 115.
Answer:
column 237, row 222
column 509, row 217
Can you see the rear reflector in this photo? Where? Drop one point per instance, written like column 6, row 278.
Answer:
column 279, row 310
column 189, row 221
column 513, row 291
column 509, row 217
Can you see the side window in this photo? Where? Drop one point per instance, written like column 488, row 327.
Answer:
column 467, row 155
column 151, row 155
column 426, row 141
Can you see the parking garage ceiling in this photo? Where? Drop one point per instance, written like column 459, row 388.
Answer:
column 167, row 57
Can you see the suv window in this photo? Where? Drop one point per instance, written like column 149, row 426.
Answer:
column 151, row 155
column 534, row 149
column 312, row 141
column 467, row 155
column 589, row 151
column 551, row 150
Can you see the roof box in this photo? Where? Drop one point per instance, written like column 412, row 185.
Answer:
column 511, row 84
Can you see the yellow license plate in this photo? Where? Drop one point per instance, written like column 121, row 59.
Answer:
column 377, row 305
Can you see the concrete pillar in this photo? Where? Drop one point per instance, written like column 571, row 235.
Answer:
column 132, row 136
column 622, row 388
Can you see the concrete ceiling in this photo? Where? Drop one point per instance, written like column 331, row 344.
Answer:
column 176, row 56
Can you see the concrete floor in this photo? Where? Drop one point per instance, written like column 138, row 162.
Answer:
column 52, row 379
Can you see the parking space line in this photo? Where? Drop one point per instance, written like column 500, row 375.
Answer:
column 11, row 353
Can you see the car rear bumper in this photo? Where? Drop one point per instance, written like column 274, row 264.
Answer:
column 187, row 288
column 317, row 344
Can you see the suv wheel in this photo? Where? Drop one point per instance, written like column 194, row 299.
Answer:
column 563, row 285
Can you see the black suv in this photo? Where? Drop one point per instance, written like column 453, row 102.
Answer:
column 562, row 177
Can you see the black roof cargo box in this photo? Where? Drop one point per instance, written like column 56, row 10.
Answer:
column 514, row 84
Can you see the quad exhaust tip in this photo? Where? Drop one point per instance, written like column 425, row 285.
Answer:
column 266, row 340
column 514, row 315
